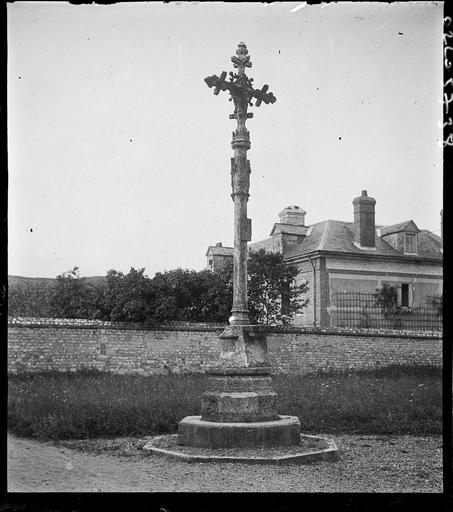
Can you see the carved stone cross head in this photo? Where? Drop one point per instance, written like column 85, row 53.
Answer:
column 242, row 60
column 240, row 86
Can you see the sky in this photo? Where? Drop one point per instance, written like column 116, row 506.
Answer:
column 119, row 153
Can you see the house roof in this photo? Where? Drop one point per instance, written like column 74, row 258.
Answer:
column 290, row 229
column 219, row 251
column 338, row 236
column 409, row 225
column 429, row 243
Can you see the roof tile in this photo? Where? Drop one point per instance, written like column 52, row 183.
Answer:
column 338, row 236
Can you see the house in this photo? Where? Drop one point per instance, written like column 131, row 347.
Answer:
column 217, row 255
column 334, row 257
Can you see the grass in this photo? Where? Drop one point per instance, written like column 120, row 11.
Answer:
column 393, row 400
column 89, row 404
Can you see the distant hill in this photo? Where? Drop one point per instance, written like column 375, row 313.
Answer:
column 31, row 296
column 95, row 280
column 31, row 282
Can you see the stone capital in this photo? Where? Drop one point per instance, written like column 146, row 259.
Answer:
column 243, row 347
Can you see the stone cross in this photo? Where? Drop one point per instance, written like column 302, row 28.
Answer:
column 241, row 93
column 239, row 406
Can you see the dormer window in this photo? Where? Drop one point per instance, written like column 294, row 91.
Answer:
column 410, row 243
column 402, row 236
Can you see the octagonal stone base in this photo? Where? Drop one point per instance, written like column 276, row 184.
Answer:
column 194, row 431
column 310, row 449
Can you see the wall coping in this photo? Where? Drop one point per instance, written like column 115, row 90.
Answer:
column 363, row 333
column 70, row 323
column 81, row 323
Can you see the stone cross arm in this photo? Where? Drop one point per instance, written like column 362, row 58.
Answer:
column 263, row 95
column 220, row 84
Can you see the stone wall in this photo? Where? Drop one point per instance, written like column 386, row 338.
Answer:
column 69, row 345
column 299, row 352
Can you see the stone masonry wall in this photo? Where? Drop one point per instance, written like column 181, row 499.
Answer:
column 68, row 345
column 334, row 350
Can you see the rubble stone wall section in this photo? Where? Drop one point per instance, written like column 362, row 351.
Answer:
column 36, row 345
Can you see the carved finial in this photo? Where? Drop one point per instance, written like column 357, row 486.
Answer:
column 242, row 49
column 242, row 60
column 240, row 87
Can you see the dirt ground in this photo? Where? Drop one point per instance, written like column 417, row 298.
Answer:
column 366, row 464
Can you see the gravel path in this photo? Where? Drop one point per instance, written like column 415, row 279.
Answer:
column 366, row 464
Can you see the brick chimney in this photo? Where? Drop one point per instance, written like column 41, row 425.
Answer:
column 294, row 215
column 364, row 226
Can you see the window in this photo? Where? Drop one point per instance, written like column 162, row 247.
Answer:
column 409, row 245
column 405, row 295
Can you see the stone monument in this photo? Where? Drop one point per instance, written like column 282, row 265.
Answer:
column 239, row 407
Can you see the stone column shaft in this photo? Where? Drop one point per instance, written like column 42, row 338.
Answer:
column 240, row 174
column 240, row 257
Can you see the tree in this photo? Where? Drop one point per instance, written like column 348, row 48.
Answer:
column 187, row 295
column 214, row 300
column 183, row 295
column 128, row 297
column 435, row 302
column 30, row 296
column 273, row 296
column 75, row 297
column 387, row 298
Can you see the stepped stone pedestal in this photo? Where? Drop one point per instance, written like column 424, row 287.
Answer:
column 239, row 407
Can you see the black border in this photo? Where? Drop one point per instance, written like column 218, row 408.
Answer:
column 166, row 502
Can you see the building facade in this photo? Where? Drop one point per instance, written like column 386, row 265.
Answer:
column 217, row 256
column 335, row 257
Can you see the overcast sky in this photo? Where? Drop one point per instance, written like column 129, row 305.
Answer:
column 119, row 154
